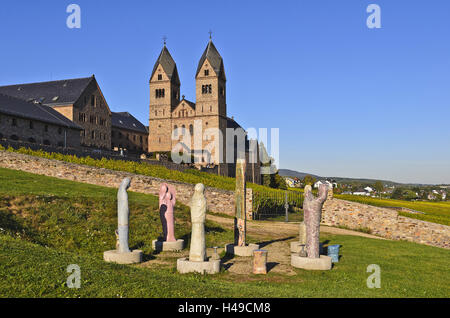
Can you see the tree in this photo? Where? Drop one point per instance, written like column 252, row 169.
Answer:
column 378, row 186
column 309, row 180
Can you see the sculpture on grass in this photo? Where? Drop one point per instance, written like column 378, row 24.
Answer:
column 197, row 252
column 197, row 260
column 312, row 208
column 122, row 253
column 167, row 200
column 240, row 246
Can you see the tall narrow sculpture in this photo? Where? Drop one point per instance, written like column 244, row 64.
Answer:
column 123, row 213
column 240, row 218
column 312, row 208
column 167, row 200
column 197, row 261
column 240, row 247
column 122, row 253
column 197, row 252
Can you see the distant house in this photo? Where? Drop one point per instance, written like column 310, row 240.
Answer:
column 37, row 124
column 326, row 182
column 290, row 182
column 361, row 191
column 368, row 189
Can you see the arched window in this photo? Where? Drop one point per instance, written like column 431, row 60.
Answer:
column 175, row 131
column 191, row 129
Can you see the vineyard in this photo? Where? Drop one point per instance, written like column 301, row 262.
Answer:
column 271, row 204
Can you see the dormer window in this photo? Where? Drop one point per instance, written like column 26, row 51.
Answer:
column 159, row 77
column 206, row 72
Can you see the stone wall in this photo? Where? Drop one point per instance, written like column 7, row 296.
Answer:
column 384, row 222
column 15, row 128
column 219, row 201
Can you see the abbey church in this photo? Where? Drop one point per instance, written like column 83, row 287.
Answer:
column 172, row 114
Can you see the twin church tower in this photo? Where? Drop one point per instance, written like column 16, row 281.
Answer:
column 169, row 111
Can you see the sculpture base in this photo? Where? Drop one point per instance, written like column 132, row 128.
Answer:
column 323, row 263
column 115, row 256
column 184, row 266
column 164, row 246
column 246, row 250
column 296, row 247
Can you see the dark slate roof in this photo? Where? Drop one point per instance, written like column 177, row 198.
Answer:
column 214, row 58
column 49, row 93
column 168, row 64
column 17, row 107
column 124, row 120
column 231, row 123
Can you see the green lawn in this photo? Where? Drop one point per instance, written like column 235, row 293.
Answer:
column 47, row 224
column 437, row 212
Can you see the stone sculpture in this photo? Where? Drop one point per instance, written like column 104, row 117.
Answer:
column 300, row 245
column 260, row 262
column 167, row 200
column 312, row 208
column 197, row 261
column 197, row 252
column 240, row 247
column 122, row 253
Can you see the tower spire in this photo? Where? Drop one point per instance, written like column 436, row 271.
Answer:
column 210, row 35
column 164, row 40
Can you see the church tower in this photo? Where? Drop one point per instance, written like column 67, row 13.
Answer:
column 211, row 83
column 164, row 97
column 211, row 106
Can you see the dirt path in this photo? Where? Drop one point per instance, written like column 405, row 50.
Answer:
column 277, row 230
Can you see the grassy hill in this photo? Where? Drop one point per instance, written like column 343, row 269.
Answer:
column 47, row 224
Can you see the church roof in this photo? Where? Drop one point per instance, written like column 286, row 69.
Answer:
column 168, row 64
column 49, row 93
column 214, row 58
column 125, row 120
column 17, row 107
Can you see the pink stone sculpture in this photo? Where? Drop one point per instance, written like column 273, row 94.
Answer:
column 312, row 208
column 167, row 202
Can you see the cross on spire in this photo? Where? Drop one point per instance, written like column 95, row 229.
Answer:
column 164, row 39
column 210, row 34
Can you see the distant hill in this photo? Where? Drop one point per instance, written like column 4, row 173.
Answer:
column 301, row 175
column 295, row 174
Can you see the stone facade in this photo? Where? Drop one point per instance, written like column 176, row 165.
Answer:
column 384, row 222
column 92, row 113
column 80, row 100
column 129, row 140
column 37, row 132
column 218, row 200
column 174, row 121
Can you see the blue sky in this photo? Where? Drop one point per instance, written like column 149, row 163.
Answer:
column 349, row 101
